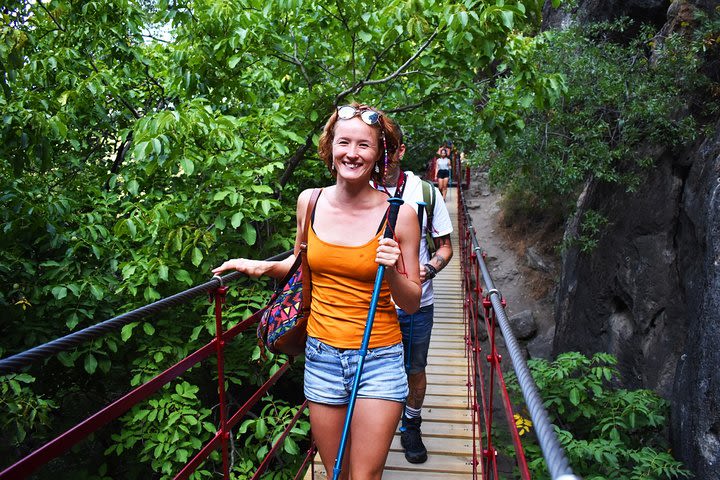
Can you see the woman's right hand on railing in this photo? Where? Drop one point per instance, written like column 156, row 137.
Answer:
column 256, row 268
column 252, row 268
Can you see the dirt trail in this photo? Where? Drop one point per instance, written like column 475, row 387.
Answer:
column 507, row 262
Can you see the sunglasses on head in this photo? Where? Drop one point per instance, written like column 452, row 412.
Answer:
column 346, row 112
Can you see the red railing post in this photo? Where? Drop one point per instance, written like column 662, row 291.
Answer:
column 219, row 298
column 489, row 451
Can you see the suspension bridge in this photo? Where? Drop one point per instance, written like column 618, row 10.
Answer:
column 464, row 381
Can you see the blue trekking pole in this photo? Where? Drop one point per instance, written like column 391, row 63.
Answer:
column 389, row 228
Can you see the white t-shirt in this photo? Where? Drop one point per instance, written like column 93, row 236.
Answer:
column 442, row 225
column 443, row 163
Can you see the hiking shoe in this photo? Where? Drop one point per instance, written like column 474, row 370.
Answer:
column 411, row 441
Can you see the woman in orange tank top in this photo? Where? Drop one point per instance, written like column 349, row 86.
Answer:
column 345, row 247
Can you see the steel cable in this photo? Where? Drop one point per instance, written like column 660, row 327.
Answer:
column 16, row 363
column 554, row 454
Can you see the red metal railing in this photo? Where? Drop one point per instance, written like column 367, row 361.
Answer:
column 27, row 465
column 486, row 383
column 484, row 372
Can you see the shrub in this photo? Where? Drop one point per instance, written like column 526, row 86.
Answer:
column 607, row 432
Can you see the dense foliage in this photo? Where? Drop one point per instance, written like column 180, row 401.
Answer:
column 631, row 94
column 144, row 141
column 606, row 432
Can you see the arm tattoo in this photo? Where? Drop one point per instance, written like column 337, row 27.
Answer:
column 439, row 243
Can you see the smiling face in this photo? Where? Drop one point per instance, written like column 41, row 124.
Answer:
column 355, row 149
column 391, row 133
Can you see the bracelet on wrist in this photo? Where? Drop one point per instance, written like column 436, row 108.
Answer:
column 430, row 271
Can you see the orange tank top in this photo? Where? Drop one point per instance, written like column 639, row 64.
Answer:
column 343, row 278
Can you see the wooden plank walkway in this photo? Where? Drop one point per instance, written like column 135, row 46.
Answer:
column 447, row 429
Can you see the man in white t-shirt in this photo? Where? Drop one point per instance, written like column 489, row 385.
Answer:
column 417, row 327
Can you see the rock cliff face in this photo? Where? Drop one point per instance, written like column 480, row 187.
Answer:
column 650, row 292
column 696, row 393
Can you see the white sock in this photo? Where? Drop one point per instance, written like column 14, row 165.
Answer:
column 412, row 412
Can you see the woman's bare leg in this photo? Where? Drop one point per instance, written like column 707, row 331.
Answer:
column 373, row 425
column 443, row 186
column 327, row 423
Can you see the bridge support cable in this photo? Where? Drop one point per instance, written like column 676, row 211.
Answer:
column 494, row 305
column 15, row 363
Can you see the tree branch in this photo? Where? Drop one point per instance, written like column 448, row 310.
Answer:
column 362, row 83
column 122, row 100
column 297, row 158
column 119, row 157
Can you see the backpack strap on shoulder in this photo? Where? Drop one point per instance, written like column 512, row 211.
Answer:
column 429, row 199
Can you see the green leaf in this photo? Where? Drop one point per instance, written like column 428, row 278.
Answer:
column 183, row 276
column 187, row 165
column 96, row 292
column 67, row 359
column 261, row 428
column 236, row 219
column 365, row 36
column 133, row 187
column 131, row 227
column 72, row 321
column 220, row 222
column 139, row 150
column 16, row 388
column 265, row 206
column 221, row 194
column 507, row 18
column 244, row 426
column 575, row 396
column 294, row 137
column 148, row 328
column 260, row 188
column 163, row 271
column 249, row 234
column 234, row 60
column 59, row 292
column 90, row 363
column 262, row 451
column 197, row 257
column 128, row 271
column 291, row 447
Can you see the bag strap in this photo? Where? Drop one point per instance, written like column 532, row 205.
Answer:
column 306, row 273
column 429, row 199
column 308, row 214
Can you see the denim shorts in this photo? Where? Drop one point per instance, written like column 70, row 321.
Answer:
column 416, row 329
column 330, row 373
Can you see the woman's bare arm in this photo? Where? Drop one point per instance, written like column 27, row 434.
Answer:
column 402, row 254
column 257, row 268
